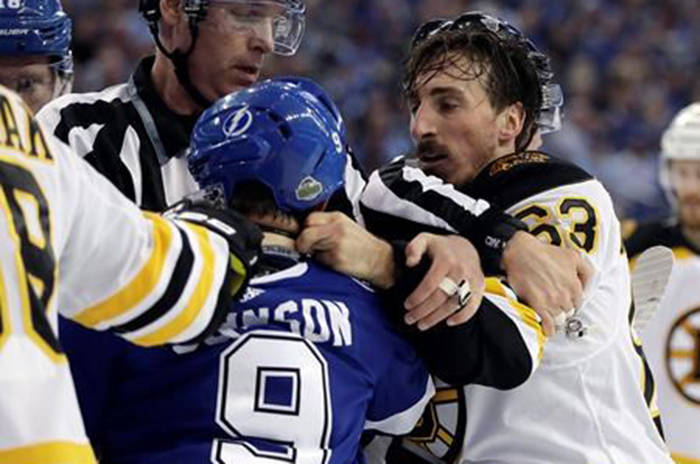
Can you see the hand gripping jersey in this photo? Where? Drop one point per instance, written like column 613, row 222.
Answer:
column 589, row 400
column 305, row 362
column 71, row 243
column 671, row 340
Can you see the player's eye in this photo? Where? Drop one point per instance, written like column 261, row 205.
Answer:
column 246, row 13
column 414, row 105
column 25, row 85
column 447, row 105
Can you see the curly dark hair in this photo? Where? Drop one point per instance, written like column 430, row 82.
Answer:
column 505, row 63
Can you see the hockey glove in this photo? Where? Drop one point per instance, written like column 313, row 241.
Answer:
column 244, row 238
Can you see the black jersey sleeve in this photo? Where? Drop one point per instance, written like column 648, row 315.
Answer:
column 491, row 349
column 400, row 201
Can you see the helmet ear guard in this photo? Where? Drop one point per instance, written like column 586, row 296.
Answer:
column 150, row 10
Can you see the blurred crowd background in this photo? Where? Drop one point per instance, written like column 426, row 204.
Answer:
column 626, row 66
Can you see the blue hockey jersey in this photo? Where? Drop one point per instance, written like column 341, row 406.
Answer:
column 304, row 363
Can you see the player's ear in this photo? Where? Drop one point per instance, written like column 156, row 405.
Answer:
column 510, row 122
column 171, row 13
column 173, row 24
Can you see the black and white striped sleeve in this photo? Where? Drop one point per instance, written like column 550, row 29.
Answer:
column 347, row 199
column 400, row 201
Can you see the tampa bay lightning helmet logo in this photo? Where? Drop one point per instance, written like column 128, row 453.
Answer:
column 238, row 122
column 283, row 133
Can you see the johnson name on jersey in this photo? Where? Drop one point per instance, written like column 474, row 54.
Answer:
column 70, row 242
column 671, row 340
column 305, row 362
column 590, row 398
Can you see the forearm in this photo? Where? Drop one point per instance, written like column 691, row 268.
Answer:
column 386, row 269
column 487, row 350
column 400, row 202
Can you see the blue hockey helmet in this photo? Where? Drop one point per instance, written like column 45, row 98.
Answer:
column 277, row 132
column 313, row 87
column 37, row 27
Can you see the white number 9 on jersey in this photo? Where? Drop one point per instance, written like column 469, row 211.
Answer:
column 273, row 386
column 10, row 3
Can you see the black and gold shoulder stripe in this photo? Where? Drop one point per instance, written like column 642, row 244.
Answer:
column 513, row 178
column 175, row 294
column 667, row 233
column 648, row 385
column 176, row 286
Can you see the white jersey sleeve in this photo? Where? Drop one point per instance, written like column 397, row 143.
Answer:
column 151, row 280
column 70, row 242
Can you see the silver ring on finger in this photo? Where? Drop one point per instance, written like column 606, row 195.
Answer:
column 464, row 293
column 448, row 286
column 559, row 321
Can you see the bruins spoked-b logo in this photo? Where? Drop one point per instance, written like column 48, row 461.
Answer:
column 683, row 355
column 440, row 432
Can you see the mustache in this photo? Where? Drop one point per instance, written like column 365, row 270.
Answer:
column 430, row 147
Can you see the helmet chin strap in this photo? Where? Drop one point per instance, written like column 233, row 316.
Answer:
column 275, row 230
column 62, row 85
column 301, row 219
column 180, row 60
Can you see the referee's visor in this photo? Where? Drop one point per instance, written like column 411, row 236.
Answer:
column 280, row 22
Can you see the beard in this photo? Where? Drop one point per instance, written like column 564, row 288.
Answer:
column 689, row 211
column 690, row 216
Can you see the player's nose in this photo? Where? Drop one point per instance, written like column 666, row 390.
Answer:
column 422, row 123
column 261, row 39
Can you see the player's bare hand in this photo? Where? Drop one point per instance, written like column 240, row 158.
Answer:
column 550, row 279
column 454, row 258
column 345, row 246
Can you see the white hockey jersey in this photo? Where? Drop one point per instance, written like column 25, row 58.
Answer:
column 71, row 243
column 586, row 403
column 671, row 340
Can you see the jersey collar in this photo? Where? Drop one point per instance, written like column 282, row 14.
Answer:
column 173, row 129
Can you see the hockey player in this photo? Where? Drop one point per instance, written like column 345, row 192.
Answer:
column 71, row 243
column 276, row 152
column 306, row 359
column 671, row 340
column 476, row 87
column 136, row 133
column 35, row 57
